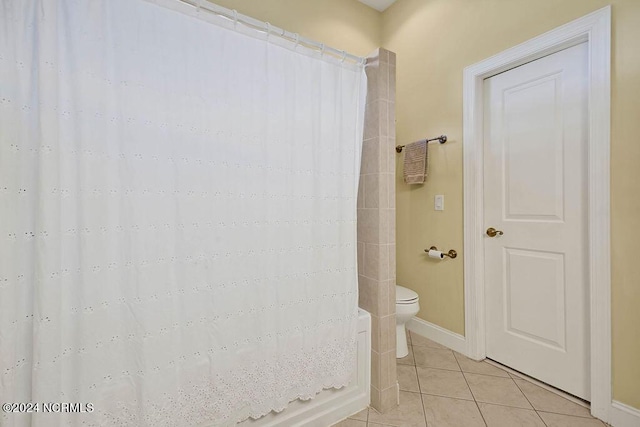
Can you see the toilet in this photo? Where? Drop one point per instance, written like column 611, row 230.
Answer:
column 407, row 306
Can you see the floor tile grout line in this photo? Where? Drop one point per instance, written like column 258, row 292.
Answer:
column 448, row 397
column 465, row 372
column 548, row 412
column 424, row 411
column 415, row 368
column 517, row 375
column 413, row 392
column 470, row 391
column 432, row 367
column 590, row 417
column 512, row 407
column 491, row 403
column 532, row 405
column 488, row 375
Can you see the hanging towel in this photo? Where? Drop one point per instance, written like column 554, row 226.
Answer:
column 416, row 164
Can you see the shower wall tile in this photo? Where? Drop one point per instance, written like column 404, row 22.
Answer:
column 391, row 188
column 377, row 117
column 376, row 190
column 392, row 230
column 393, row 367
column 383, row 340
column 369, row 226
column 391, row 111
column 373, row 190
column 383, row 226
column 375, row 367
column 384, row 92
column 383, row 333
column 391, row 285
column 383, row 81
column 377, row 80
column 372, row 118
column 375, row 333
column 370, row 163
column 383, row 301
column 383, row 263
column 373, row 83
column 389, row 230
column 376, row 226
column 388, row 373
column 376, row 397
column 368, row 294
column 372, row 261
column 392, row 331
column 389, row 397
column 384, row 155
column 384, row 55
column 383, row 121
column 384, row 371
column 384, row 183
column 384, row 191
column 391, row 256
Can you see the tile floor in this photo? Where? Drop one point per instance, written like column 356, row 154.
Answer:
column 442, row 388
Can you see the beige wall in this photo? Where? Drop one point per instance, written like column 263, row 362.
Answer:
column 344, row 24
column 434, row 40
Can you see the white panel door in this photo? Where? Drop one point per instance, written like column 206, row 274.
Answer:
column 535, row 183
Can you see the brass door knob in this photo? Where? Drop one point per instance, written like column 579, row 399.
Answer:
column 492, row 232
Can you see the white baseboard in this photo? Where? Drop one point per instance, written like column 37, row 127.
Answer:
column 624, row 415
column 438, row 334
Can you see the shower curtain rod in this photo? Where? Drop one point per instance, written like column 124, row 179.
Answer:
column 266, row 27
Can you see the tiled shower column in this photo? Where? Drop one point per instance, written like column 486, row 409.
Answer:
column 376, row 226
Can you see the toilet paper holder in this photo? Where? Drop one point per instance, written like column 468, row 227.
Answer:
column 451, row 254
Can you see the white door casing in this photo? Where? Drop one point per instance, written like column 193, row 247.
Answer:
column 536, row 288
column 595, row 29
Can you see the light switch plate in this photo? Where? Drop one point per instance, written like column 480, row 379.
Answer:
column 438, row 203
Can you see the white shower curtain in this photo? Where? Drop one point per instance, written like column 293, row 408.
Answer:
column 177, row 215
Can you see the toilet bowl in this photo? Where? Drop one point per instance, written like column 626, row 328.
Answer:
column 407, row 306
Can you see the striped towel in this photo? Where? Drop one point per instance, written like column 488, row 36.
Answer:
column 416, row 163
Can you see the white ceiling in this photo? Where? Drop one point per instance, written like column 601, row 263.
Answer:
column 380, row 5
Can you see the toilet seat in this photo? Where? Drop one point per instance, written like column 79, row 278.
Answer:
column 405, row 295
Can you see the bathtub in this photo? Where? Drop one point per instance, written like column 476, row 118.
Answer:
column 330, row 406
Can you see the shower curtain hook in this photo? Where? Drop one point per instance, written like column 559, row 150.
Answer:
column 198, row 5
column 297, row 39
column 322, row 49
column 344, row 56
column 235, row 18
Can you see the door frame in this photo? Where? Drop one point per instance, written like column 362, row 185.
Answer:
column 595, row 29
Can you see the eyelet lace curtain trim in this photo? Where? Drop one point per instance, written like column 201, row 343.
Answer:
column 178, row 204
